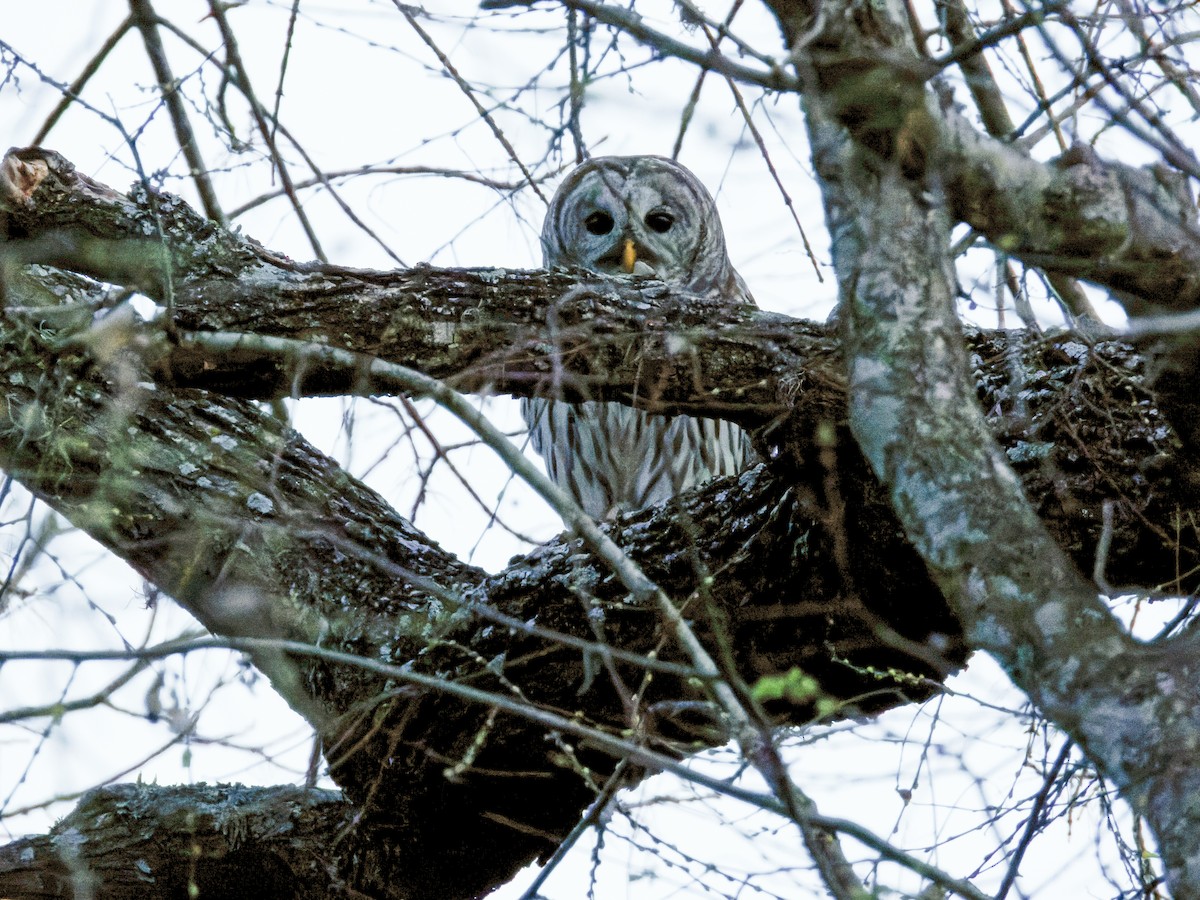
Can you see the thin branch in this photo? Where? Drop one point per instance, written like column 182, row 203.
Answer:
column 552, row 722
column 1156, row 326
column 1174, row 150
column 441, row 455
column 749, row 725
column 1036, row 79
column 469, row 92
column 714, row 41
column 1133, row 20
column 995, row 35
column 590, row 819
column 326, row 178
column 231, row 76
column 242, row 79
column 147, row 23
column 71, row 94
column 60, row 708
column 1033, row 823
column 575, row 91
column 136, row 766
column 692, row 15
column 283, row 64
column 776, row 78
column 974, row 66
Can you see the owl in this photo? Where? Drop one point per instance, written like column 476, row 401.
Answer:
column 644, row 215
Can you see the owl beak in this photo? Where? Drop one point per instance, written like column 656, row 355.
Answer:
column 628, row 257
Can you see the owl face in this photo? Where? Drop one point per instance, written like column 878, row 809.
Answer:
column 642, row 214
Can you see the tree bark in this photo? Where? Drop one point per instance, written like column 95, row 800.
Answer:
column 1133, row 708
column 799, row 563
column 220, row 843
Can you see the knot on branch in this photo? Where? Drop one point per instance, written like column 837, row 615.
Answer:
column 19, row 178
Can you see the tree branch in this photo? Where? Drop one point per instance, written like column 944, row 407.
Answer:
column 261, row 536
column 188, row 841
column 1132, row 230
column 913, row 414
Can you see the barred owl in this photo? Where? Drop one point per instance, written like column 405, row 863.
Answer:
column 643, row 215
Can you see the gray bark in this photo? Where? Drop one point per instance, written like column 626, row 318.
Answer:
column 261, row 537
column 1134, row 708
column 223, row 842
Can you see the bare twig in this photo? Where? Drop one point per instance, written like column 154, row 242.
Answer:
column 591, row 818
column 1036, row 79
column 283, row 63
column 1033, row 823
column 71, row 94
column 146, row 20
column 327, row 178
column 550, row 721
column 469, row 92
column 714, row 42
column 1159, row 135
column 242, row 79
column 775, row 78
column 999, row 33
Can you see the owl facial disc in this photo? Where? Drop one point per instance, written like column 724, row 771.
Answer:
column 641, row 215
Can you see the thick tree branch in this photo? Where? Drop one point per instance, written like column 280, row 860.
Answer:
column 481, row 330
column 626, row 339
column 134, row 841
column 260, row 536
column 1131, row 230
column 914, row 416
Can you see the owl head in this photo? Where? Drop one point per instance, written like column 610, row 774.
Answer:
column 644, row 215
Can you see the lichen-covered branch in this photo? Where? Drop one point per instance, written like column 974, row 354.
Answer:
column 482, row 330
column 261, row 536
column 133, row 841
column 914, row 414
column 1132, row 230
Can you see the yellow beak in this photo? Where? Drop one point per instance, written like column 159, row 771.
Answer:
column 628, row 256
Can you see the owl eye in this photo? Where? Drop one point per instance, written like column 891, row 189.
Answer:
column 599, row 223
column 660, row 221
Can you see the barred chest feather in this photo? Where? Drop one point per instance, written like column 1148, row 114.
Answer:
column 612, row 458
